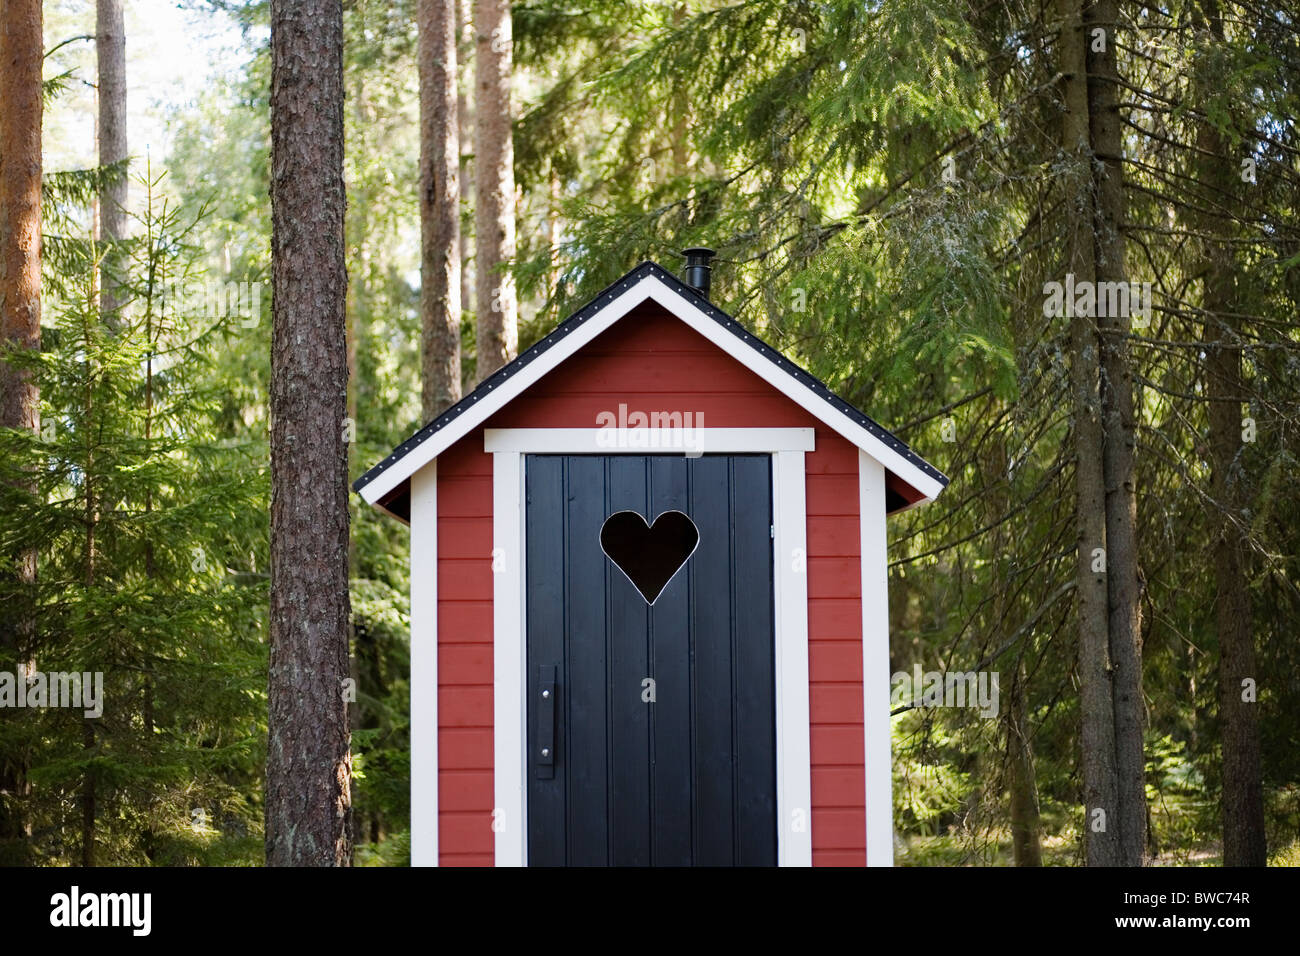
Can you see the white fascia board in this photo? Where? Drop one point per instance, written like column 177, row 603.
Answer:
column 461, row 426
column 612, row 441
column 742, row 346
column 737, row 343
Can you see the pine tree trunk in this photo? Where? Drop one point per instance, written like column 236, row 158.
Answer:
column 1097, row 732
column 1026, row 842
column 1022, row 788
column 465, row 130
column 494, row 214
column 110, row 51
column 1118, row 441
column 20, row 204
column 21, row 49
column 439, row 207
column 1244, row 842
column 309, row 768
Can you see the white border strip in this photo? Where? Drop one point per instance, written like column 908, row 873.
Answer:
column 640, row 441
column 424, row 666
column 793, row 727
column 875, row 662
column 509, row 660
column 510, row 647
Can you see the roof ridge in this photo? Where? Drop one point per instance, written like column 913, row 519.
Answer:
column 604, row 297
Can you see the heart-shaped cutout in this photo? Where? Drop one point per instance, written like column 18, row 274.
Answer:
column 649, row 554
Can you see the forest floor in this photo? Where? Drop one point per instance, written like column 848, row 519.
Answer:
column 994, row 849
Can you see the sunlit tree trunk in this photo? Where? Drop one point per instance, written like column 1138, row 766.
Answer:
column 1097, row 731
column 494, row 186
column 1242, row 805
column 20, row 327
column 465, row 128
column 1118, row 441
column 309, row 767
column 439, row 207
column 110, row 51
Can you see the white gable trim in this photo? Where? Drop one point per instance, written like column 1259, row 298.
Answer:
column 790, row 624
column 691, row 442
column 732, row 339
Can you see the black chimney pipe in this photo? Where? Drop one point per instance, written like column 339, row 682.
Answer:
column 697, row 268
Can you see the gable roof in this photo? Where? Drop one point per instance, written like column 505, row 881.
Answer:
column 385, row 485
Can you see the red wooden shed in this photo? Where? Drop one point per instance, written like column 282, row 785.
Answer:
column 648, row 577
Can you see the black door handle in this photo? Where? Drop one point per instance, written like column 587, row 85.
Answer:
column 544, row 747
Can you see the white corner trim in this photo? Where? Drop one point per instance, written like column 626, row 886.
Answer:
column 424, row 666
column 790, row 625
column 509, row 661
column 793, row 726
column 736, row 342
column 878, row 768
column 641, row 441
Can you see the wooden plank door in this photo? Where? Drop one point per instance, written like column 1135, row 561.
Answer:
column 651, row 726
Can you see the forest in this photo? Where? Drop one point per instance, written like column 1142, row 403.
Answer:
column 248, row 247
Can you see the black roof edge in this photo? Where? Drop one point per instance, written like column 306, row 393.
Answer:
column 603, row 298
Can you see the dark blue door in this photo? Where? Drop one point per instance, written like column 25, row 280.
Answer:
column 651, row 717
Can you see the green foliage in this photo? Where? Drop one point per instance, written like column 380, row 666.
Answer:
column 883, row 184
column 148, row 530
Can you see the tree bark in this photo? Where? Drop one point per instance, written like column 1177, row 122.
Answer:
column 1244, row 842
column 1026, row 840
column 309, row 767
column 21, row 52
column 1118, row 441
column 110, row 52
column 1022, row 787
column 439, row 207
column 465, row 129
column 1097, row 737
column 494, row 214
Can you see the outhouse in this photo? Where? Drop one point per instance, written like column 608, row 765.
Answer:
column 649, row 622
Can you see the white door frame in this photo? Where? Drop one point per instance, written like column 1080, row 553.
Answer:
column 787, row 446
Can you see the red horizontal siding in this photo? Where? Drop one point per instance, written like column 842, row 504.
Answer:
column 650, row 363
column 464, row 538
column 465, row 579
column 831, row 661
column 839, row 858
column 830, row 494
column 832, row 576
column 837, row 745
column 464, row 497
column 469, row 832
column 465, row 664
column 835, row 536
column 835, row 704
column 835, row 617
column 460, row 706
column 461, row 621
column 465, row 748
column 468, row 790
